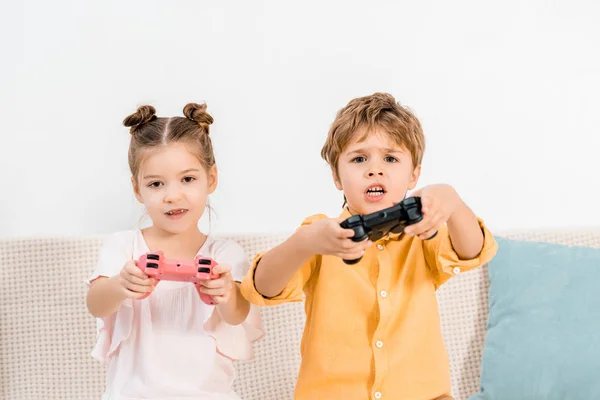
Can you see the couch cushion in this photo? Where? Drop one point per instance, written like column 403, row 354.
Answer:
column 543, row 330
column 46, row 333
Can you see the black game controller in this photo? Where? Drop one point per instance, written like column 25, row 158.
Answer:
column 376, row 225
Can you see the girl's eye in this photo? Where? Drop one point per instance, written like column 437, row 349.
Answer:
column 154, row 184
column 189, row 179
column 359, row 159
column 391, row 159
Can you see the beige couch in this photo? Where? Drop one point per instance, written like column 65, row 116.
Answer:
column 46, row 334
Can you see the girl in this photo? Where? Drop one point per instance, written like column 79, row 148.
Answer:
column 170, row 344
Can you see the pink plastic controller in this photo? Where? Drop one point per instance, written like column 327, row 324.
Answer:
column 157, row 266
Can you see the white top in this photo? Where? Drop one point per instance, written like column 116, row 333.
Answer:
column 171, row 345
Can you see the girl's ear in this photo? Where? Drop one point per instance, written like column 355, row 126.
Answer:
column 136, row 190
column 213, row 179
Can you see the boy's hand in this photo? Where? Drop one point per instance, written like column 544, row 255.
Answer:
column 438, row 203
column 327, row 237
column 220, row 288
column 134, row 282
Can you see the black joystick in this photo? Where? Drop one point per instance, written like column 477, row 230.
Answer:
column 376, row 225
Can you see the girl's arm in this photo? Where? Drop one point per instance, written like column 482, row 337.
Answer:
column 105, row 296
column 235, row 311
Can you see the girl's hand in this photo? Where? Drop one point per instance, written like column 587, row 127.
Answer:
column 221, row 289
column 134, row 282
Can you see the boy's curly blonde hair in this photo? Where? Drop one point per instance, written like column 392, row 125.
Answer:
column 379, row 110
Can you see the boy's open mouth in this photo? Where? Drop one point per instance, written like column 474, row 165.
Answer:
column 375, row 192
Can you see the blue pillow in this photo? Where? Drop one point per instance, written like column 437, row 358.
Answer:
column 543, row 329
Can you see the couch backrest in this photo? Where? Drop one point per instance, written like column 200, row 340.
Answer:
column 46, row 333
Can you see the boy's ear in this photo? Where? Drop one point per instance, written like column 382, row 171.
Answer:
column 336, row 180
column 136, row 190
column 414, row 177
column 213, row 178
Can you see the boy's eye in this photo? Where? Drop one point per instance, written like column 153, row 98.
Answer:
column 359, row 159
column 189, row 179
column 154, row 184
column 391, row 159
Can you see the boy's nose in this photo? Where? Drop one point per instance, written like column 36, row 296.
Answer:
column 373, row 173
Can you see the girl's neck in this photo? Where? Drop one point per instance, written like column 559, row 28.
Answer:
column 174, row 245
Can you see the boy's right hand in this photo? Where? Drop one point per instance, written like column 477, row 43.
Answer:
column 134, row 281
column 327, row 237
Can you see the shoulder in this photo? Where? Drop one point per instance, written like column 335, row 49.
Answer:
column 224, row 249
column 116, row 249
column 314, row 218
column 121, row 236
column 227, row 251
column 119, row 240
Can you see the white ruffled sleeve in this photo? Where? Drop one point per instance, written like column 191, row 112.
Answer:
column 111, row 331
column 235, row 341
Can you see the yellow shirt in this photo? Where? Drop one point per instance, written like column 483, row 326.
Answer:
column 372, row 329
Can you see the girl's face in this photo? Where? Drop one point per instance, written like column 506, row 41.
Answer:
column 174, row 187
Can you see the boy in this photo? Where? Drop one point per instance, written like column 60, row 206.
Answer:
column 372, row 329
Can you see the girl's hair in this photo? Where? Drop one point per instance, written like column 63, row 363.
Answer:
column 148, row 131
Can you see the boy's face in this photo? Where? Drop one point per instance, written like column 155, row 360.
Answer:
column 375, row 173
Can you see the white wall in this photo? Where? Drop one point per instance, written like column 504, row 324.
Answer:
column 507, row 93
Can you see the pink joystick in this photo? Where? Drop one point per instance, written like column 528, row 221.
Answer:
column 157, row 266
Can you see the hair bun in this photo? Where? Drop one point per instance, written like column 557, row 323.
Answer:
column 197, row 112
column 143, row 115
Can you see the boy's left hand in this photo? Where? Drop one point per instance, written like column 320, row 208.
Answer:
column 219, row 288
column 438, row 203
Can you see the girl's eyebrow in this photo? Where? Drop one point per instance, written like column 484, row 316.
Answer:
column 187, row 171
column 151, row 177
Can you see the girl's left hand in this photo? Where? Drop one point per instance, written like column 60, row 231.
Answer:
column 220, row 288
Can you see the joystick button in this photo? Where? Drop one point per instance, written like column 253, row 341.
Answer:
column 204, row 269
column 204, row 261
column 152, row 265
column 152, row 257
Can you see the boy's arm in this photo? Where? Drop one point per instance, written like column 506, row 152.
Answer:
column 441, row 204
column 465, row 232
column 463, row 241
column 279, row 275
column 279, row 265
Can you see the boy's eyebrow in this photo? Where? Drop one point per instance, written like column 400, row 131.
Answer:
column 181, row 173
column 386, row 150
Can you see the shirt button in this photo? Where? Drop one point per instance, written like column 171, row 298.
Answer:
column 379, row 344
column 383, row 293
column 377, row 395
column 456, row 270
column 380, row 246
